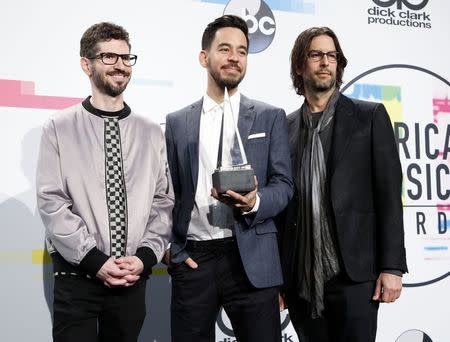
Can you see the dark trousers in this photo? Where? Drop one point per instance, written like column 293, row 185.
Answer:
column 350, row 315
column 85, row 310
column 220, row 281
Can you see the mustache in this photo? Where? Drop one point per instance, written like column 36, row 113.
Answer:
column 234, row 65
column 118, row 72
column 323, row 70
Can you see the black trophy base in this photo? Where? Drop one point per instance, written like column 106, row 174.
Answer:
column 240, row 180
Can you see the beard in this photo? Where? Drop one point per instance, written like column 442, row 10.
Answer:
column 228, row 82
column 318, row 86
column 106, row 87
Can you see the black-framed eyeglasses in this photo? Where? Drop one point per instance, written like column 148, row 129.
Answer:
column 317, row 55
column 111, row 58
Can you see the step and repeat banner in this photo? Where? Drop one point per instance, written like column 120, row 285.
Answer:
column 398, row 52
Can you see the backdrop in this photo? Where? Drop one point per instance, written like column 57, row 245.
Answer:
column 398, row 52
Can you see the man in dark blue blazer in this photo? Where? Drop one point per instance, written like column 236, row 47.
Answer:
column 224, row 249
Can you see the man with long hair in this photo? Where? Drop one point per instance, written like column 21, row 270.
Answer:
column 342, row 239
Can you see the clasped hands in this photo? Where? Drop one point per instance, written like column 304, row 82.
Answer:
column 124, row 271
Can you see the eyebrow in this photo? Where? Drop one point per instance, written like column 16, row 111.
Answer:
column 323, row 51
column 229, row 45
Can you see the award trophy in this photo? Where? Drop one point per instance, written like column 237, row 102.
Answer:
column 236, row 175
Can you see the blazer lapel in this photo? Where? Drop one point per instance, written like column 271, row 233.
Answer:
column 344, row 125
column 193, row 133
column 246, row 118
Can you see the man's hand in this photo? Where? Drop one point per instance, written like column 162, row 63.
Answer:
column 388, row 288
column 281, row 302
column 133, row 265
column 166, row 257
column 111, row 274
column 191, row 263
column 236, row 200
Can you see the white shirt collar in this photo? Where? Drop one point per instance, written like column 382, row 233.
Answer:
column 209, row 104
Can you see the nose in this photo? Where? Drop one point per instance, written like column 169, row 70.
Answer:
column 324, row 60
column 233, row 55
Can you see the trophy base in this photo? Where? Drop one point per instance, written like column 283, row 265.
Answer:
column 237, row 179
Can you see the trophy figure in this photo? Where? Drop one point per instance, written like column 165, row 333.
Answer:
column 233, row 172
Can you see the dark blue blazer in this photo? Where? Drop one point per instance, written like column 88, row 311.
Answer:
column 256, row 234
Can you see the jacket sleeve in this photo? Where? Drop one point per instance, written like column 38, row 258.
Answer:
column 275, row 195
column 177, row 251
column 67, row 231
column 387, row 178
column 158, row 230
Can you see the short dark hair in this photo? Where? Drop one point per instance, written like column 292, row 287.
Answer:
column 299, row 56
column 101, row 32
column 223, row 21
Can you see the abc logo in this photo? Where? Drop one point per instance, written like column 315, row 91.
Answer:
column 259, row 19
column 224, row 324
column 412, row 6
column 414, row 335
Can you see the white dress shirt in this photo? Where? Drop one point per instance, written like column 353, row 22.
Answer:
column 210, row 218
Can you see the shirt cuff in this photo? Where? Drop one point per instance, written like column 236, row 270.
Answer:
column 148, row 258
column 93, row 261
column 394, row 272
column 255, row 207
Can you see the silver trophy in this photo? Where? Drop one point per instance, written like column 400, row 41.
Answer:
column 233, row 172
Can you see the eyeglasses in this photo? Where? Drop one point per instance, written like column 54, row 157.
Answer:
column 111, row 58
column 316, row 55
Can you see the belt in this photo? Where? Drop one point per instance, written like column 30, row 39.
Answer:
column 211, row 245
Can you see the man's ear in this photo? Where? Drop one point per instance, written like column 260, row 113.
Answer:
column 203, row 58
column 86, row 66
column 298, row 71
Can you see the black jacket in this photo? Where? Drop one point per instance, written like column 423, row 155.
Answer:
column 364, row 176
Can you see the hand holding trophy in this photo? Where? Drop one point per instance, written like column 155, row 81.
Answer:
column 234, row 181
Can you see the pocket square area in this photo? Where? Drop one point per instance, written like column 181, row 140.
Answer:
column 256, row 135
